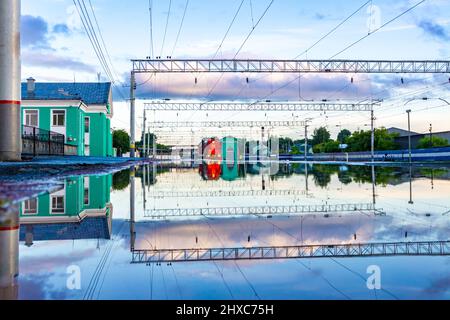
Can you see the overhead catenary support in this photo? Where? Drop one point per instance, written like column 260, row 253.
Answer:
column 10, row 96
column 262, row 210
column 290, row 66
column 265, row 106
column 427, row 248
column 226, row 124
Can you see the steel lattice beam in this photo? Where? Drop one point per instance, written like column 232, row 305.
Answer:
column 225, row 124
column 291, row 66
column 293, row 106
column 430, row 248
column 226, row 193
column 272, row 210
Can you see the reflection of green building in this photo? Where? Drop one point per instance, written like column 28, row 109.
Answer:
column 81, row 209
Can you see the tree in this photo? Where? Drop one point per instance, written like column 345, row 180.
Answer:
column 432, row 142
column 121, row 141
column 327, row 147
column 360, row 141
column 321, row 135
column 343, row 135
column 121, row 180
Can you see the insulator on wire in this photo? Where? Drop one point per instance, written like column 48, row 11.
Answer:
column 352, row 80
column 402, row 80
column 246, row 79
column 196, row 80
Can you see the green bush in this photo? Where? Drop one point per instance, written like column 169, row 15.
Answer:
column 432, row 142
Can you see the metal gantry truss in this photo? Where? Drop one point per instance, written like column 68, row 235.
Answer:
column 290, row 66
column 226, row 193
column 266, row 106
column 261, row 210
column 428, row 248
column 225, row 124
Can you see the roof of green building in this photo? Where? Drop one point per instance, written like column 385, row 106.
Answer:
column 89, row 93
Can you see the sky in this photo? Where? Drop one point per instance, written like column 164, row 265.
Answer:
column 55, row 48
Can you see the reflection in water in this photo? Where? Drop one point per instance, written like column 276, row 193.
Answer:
column 74, row 226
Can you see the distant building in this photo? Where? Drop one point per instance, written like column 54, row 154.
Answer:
column 403, row 141
column 81, row 112
column 400, row 132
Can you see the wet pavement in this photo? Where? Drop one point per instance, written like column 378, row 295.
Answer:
column 215, row 231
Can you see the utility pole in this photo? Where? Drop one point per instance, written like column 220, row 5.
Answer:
column 306, row 141
column 144, row 150
column 431, row 135
column 132, row 115
column 372, row 136
column 10, row 96
column 409, row 135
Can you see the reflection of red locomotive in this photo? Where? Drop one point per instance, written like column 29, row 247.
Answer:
column 210, row 149
column 211, row 171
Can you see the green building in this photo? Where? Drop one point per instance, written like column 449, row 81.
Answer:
column 81, row 112
column 80, row 209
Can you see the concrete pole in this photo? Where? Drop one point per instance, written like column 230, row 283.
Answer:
column 9, row 253
column 409, row 136
column 372, row 136
column 306, row 142
column 10, row 96
column 132, row 115
column 144, row 137
column 132, row 207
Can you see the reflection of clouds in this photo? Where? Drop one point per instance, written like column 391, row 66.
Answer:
column 51, row 262
column 438, row 286
column 38, row 287
column 281, row 232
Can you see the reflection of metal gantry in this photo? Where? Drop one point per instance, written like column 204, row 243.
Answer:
column 290, row 66
column 431, row 248
column 292, row 106
column 261, row 210
column 226, row 124
column 226, row 193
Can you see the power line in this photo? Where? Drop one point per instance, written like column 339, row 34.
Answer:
column 150, row 9
column 181, row 27
column 378, row 29
column 165, row 29
column 333, row 30
column 242, row 45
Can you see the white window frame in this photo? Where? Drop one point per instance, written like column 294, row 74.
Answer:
column 25, row 117
column 65, row 118
column 52, row 209
column 86, row 182
column 25, row 213
column 89, row 127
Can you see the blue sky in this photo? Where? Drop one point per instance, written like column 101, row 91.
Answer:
column 55, row 48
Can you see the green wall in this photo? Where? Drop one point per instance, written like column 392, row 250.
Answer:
column 99, row 196
column 100, row 129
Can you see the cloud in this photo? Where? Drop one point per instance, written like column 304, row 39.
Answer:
column 274, row 87
column 434, row 29
column 34, row 32
column 61, row 28
column 50, row 60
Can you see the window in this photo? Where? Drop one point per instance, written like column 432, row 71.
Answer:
column 30, row 207
column 32, row 118
column 86, row 196
column 86, row 125
column 58, row 204
column 59, row 118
